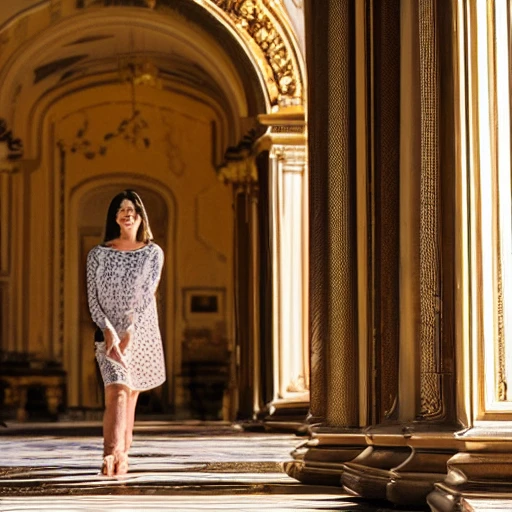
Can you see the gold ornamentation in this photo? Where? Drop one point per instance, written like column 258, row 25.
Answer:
column 251, row 16
column 502, row 383
column 240, row 172
column 239, row 164
column 432, row 405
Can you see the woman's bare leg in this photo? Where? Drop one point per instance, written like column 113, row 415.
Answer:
column 130, row 419
column 115, row 421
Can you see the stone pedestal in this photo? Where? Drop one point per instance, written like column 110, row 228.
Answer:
column 320, row 460
column 480, row 475
column 400, row 464
column 288, row 414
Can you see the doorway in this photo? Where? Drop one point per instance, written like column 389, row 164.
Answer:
column 90, row 227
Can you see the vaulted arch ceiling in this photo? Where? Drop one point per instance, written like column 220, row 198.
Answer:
column 235, row 53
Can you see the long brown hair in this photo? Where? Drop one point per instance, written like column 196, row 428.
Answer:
column 112, row 228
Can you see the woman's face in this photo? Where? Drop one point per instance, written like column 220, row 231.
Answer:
column 127, row 217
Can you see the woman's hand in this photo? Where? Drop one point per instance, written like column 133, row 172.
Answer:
column 125, row 342
column 112, row 351
column 109, row 340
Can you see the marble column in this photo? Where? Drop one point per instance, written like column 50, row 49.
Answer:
column 337, row 404
column 287, row 195
column 409, row 445
column 241, row 172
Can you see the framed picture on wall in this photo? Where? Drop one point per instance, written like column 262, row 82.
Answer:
column 203, row 303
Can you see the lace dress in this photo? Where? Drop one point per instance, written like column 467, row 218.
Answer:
column 121, row 288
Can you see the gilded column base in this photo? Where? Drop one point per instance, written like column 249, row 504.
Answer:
column 320, row 460
column 399, row 467
column 475, row 481
column 288, row 415
column 369, row 474
column 450, row 502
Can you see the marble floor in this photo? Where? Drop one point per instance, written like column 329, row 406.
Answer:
column 178, row 467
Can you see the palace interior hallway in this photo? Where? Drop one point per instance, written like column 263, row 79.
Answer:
column 173, row 466
column 331, row 183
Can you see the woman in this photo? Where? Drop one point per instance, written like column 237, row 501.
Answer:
column 122, row 278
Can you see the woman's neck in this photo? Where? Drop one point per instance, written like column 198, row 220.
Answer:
column 125, row 243
column 128, row 238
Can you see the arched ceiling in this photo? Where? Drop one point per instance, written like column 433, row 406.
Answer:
column 87, row 44
column 94, row 49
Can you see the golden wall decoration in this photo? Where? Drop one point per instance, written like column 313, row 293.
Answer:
column 256, row 19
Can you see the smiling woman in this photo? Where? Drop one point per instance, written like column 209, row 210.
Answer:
column 122, row 278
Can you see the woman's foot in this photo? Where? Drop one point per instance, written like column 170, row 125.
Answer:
column 121, row 464
column 108, row 465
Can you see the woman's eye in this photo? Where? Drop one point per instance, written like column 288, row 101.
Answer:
column 127, row 211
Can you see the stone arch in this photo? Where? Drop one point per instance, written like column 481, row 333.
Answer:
column 255, row 34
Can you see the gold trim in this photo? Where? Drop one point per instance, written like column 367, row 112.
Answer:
column 463, row 340
column 262, row 24
column 488, row 120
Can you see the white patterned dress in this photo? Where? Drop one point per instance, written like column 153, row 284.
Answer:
column 121, row 288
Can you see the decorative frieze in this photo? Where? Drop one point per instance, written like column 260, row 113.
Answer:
column 239, row 164
column 257, row 20
column 239, row 171
column 293, row 158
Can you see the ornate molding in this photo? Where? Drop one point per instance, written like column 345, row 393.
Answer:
column 239, row 171
column 293, row 157
column 258, row 21
column 239, row 164
column 502, row 388
column 14, row 145
column 287, row 127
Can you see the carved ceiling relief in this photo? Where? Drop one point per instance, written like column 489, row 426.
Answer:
column 252, row 16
